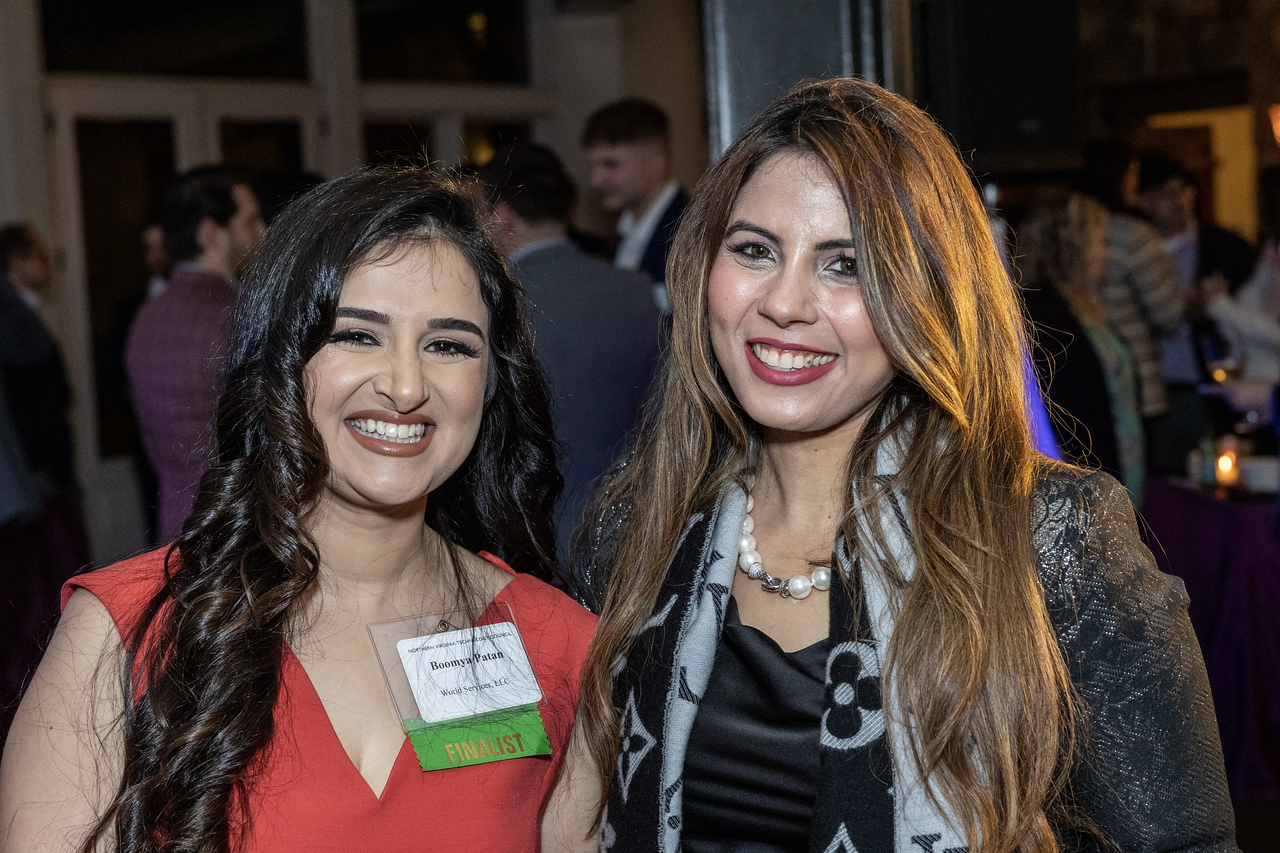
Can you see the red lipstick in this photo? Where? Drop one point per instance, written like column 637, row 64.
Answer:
column 383, row 446
column 788, row 378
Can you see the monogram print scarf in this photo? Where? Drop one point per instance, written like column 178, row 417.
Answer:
column 870, row 799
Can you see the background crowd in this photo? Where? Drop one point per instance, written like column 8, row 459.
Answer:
column 1134, row 301
column 1155, row 331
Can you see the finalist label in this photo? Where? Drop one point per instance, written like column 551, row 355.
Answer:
column 477, row 695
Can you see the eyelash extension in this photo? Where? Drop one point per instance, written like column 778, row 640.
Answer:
column 443, row 346
column 458, row 348
column 354, row 336
column 841, row 259
column 740, row 249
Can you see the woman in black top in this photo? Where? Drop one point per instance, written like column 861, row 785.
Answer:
column 840, row 458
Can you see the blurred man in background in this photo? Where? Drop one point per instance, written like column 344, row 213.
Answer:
column 1201, row 251
column 38, row 394
column 1167, row 195
column 157, row 258
column 595, row 327
column 42, row 536
column 113, row 379
column 629, row 149
column 173, row 357
column 1142, row 295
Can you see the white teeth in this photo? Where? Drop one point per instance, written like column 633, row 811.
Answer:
column 786, row 360
column 396, row 433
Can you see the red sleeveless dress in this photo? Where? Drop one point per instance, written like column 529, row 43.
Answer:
column 310, row 796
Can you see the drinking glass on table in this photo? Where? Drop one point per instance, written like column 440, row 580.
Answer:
column 1224, row 354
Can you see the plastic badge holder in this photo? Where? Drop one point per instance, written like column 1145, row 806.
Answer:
column 472, row 696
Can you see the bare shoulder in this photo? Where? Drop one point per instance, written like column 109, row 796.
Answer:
column 63, row 751
column 490, row 579
column 85, row 633
column 85, row 645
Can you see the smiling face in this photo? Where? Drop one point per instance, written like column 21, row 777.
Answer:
column 397, row 391
column 788, row 323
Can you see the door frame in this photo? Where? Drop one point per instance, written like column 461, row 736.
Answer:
column 196, row 108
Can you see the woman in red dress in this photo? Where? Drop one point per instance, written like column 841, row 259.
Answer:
column 382, row 435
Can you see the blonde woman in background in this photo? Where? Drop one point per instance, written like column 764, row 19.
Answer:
column 1087, row 371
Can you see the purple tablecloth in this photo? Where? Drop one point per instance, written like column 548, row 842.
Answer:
column 1228, row 555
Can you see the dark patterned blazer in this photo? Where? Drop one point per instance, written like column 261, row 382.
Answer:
column 174, row 362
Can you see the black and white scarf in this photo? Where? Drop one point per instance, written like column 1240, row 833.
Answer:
column 867, row 803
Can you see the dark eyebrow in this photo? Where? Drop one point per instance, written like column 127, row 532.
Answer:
column 365, row 314
column 834, row 244
column 456, row 324
column 826, row 245
column 744, row 225
column 446, row 324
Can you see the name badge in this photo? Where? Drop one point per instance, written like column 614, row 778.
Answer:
column 476, row 695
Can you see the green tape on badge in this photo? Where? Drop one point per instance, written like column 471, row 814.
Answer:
column 496, row 736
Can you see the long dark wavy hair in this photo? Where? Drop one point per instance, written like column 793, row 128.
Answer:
column 202, row 668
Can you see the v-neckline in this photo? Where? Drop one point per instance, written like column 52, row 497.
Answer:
column 331, row 734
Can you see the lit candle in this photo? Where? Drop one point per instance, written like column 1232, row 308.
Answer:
column 1227, row 472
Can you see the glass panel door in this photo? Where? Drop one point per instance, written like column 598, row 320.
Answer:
column 124, row 168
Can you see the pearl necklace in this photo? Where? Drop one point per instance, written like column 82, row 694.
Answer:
column 796, row 586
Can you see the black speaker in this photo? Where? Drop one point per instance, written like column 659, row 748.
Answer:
column 1002, row 77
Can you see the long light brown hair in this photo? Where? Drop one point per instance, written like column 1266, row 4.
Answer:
column 973, row 654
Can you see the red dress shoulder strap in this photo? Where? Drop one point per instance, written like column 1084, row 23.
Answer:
column 497, row 561
column 124, row 588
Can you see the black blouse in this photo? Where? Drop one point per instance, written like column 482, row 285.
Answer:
column 751, row 769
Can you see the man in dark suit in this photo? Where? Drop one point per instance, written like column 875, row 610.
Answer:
column 595, row 327
column 629, row 149
column 42, row 535
column 1167, row 195
column 212, row 224
column 37, row 391
column 1201, row 252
